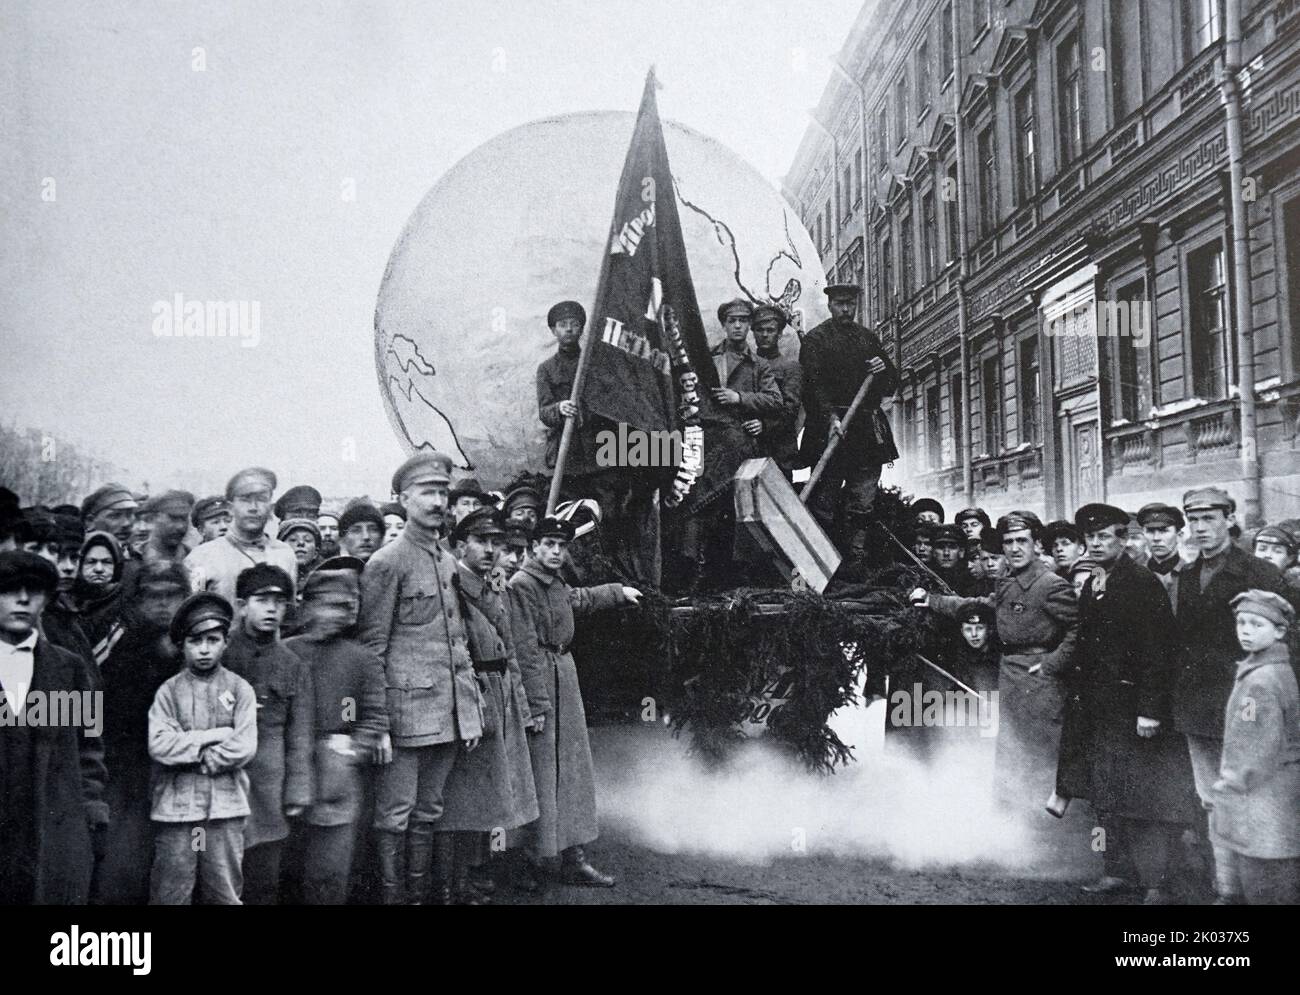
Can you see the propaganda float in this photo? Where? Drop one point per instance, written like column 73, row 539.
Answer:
column 801, row 634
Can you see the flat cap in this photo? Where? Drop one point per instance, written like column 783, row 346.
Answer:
column 22, row 569
column 169, row 502
column 1158, row 515
column 735, row 304
column 298, row 502
column 1271, row 606
column 208, row 507
column 470, row 487
column 1061, row 529
column 483, row 522
column 291, row 525
column 979, row 514
column 249, row 479
column 200, row 612
column 332, row 581
column 978, row 612
column 1208, row 498
column 105, row 498
column 260, row 578
column 1092, row 517
column 425, row 467
column 566, row 309
column 1280, row 536
column 333, row 516
column 948, row 534
column 353, row 563
column 834, row 290
column 927, row 504
column 393, row 508
column 522, row 496
column 1015, row 521
column 560, row 528
column 360, row 511
column 765, row 313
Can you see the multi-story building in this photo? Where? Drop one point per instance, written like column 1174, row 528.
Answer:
column 1037, row 197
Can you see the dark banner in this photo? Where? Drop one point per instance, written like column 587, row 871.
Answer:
column 630, row 378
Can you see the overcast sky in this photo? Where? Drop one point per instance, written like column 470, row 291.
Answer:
column 128, row 176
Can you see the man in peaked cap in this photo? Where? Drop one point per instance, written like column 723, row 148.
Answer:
column 468, row 496
column 215, row 565
column 542, row 607
column 837, row 356
column 303, row 538
column 1207, row 639
column 1118, row 748
column 411, row 619
column 523, row 505
column 1037, row 617
column 168, row 514
column 211, row 517
column 1276, row 545
column 298, row 502
column 778, row 437
column 1162, row 523
column 111, row 509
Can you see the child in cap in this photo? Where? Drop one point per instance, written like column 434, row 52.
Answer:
column 202, row 731
column 1256, row 800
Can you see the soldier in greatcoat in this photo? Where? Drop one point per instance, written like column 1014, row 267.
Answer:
column 542, row 607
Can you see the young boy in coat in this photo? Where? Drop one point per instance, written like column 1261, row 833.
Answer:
column 280, row 775
column 202, row 731
column 351, row 724
column 1255, row 813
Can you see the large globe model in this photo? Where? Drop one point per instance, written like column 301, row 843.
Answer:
column 521, row 223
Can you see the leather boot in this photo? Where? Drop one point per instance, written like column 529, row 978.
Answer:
column 526, row 876
column 444, row 868
column 462, row 891
column 575, row 870
column 478, row 862
column 391, row 847
column 419, row 855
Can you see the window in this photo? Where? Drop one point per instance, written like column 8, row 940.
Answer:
column 1125, row 388
column 909, row 429
column 929, row 237
column 933, row 436
column 1026, row 166
column 886, row 273
column 950, row 219
column 900, row 108
column 857, row 170
column 1201, row 26
column 956, row 426
column 986, row 161
column 991, row 396
column 1291, row 233
column 1030, row 391
column 945, row 40
column 922, row 77
column 826, row 226
column 1125, row 50
column 817, row 232
column 882, row 138
column 848, row 191
column 1207, row 290
column 906, row 255
column 1069, row 94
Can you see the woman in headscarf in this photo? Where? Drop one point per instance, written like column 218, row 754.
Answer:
column 97, row 590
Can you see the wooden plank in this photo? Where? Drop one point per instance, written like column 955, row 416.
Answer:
column 769, row 510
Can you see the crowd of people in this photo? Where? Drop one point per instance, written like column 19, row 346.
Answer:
column 1142, row 662
column 300, row 698
column 283, row 700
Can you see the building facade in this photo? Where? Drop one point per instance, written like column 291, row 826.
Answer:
column 1036, row 197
